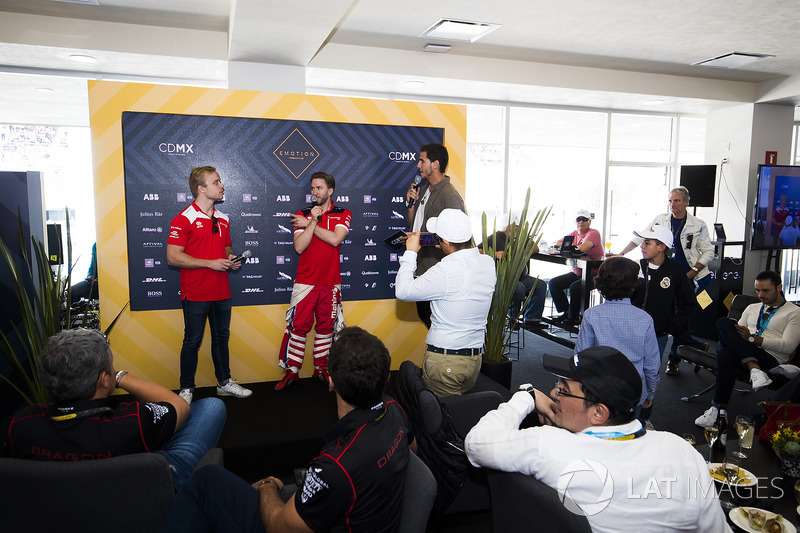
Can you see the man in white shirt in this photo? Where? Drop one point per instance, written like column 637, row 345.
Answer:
column 765, row 337
column 601, row 460
column 460, row 289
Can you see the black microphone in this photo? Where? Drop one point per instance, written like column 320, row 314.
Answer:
column 417, row 179
column 314, row 201
column 242, row 257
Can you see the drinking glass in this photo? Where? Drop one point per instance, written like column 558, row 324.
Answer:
column 608, row 246
column 711, row 433
column 745, row 427
column 730, row 469
column 688, row 437
column 797, row 491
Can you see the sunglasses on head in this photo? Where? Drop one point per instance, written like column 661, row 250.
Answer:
column 214, row 225
column 581, row 219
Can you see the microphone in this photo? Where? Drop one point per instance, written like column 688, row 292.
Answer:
column 242, row 257
column 417, row 179
column 314, row 201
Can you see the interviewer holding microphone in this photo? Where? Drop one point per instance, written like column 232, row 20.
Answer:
column 200, row 245
column 317, row 290
column 426, row 200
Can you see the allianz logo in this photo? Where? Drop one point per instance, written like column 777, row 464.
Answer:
column 152, row 230
column 172, row 148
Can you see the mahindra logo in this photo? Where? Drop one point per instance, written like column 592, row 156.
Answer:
column 171, row 148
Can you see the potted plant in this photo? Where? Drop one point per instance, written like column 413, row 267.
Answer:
column 786, row 443
column 521, row 240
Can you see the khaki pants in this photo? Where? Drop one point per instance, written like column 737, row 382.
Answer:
column 449, row 375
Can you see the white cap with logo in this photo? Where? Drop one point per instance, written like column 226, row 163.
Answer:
column 657, row 232
column 451, row 225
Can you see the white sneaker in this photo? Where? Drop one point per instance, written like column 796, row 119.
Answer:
column 231, row 388
column 787, row 371
column 186, row 394
column 708, row 418
column 759, row 379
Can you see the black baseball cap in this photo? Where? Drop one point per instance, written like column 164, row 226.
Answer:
column 603, row 371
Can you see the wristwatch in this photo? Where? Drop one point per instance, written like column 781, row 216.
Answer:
column 695, row 269
column 527, row 387
column 752, row 339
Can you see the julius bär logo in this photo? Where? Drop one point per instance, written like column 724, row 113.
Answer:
column 296, row 153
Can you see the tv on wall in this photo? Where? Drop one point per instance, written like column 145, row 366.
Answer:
column 776, row 215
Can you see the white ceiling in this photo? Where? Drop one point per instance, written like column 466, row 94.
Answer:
column 584, row 53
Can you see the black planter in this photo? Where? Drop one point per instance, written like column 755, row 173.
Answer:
column 499, row 372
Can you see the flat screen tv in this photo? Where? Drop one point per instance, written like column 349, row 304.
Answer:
column 776, row 215
column 701, row 180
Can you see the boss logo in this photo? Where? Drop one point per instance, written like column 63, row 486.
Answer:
column 251, row 243
column 150, row 197
column 155, row 294
column 402, row 156
column 170, row 148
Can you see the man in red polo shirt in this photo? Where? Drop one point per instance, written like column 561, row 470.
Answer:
column 317, row 291
column 200, row 245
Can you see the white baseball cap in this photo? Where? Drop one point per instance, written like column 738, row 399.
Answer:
column 659, row 233
column 583, row 213
column 451, row 225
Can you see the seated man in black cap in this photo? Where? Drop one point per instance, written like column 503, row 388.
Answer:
column 598, row 456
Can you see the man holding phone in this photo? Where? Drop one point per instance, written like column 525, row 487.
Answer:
column 460, row 289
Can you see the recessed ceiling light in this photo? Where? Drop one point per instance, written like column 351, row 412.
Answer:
column 44, row 89
column 415, row 84
column 459, row 30
column 437, row 48
column 653, row 101
column 82, row 58
column 732, row 60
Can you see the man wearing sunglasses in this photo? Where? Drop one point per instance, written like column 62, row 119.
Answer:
column 589, row 241
column 199, row 244
column 601, row 460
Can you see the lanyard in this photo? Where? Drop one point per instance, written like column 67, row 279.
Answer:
column 762, row 324
column 616, row 435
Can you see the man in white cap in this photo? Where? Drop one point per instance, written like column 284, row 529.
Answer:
column 460, row 289
column 589, row 241
column 666, row 293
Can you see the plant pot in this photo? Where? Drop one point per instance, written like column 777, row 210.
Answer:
column 498, row 371
column 790, row 465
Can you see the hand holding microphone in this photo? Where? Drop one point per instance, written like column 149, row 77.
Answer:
column 240, row 258
column 413, row 192
column 314, row 204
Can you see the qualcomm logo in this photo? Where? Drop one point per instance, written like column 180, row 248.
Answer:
column 398, row 199
column 283, row 198
column 370, row 257
column 150, row 197
column 252, row 289
column 595, row 480
column 342, row 199
column 251, row 229
column 402, row 156
column 283, row 229
column 250, row 214
column 369, row 273
column 176, row 149
column 282, row 276
column 154, row 280
column 395, row 214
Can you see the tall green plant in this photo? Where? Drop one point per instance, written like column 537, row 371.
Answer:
column 521, row 240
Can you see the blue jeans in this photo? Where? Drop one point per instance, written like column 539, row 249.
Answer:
column 535, row 307
column 194, row 438
column 733, row 351
column 572, row 282
column 215, row 500
column 702, row 284
column 194, row 324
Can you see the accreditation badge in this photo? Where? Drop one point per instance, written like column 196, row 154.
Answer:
column 665, row 283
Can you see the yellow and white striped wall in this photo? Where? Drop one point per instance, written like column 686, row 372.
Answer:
column 148, row 343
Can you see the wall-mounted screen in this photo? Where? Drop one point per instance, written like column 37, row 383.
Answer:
column 777, row 209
